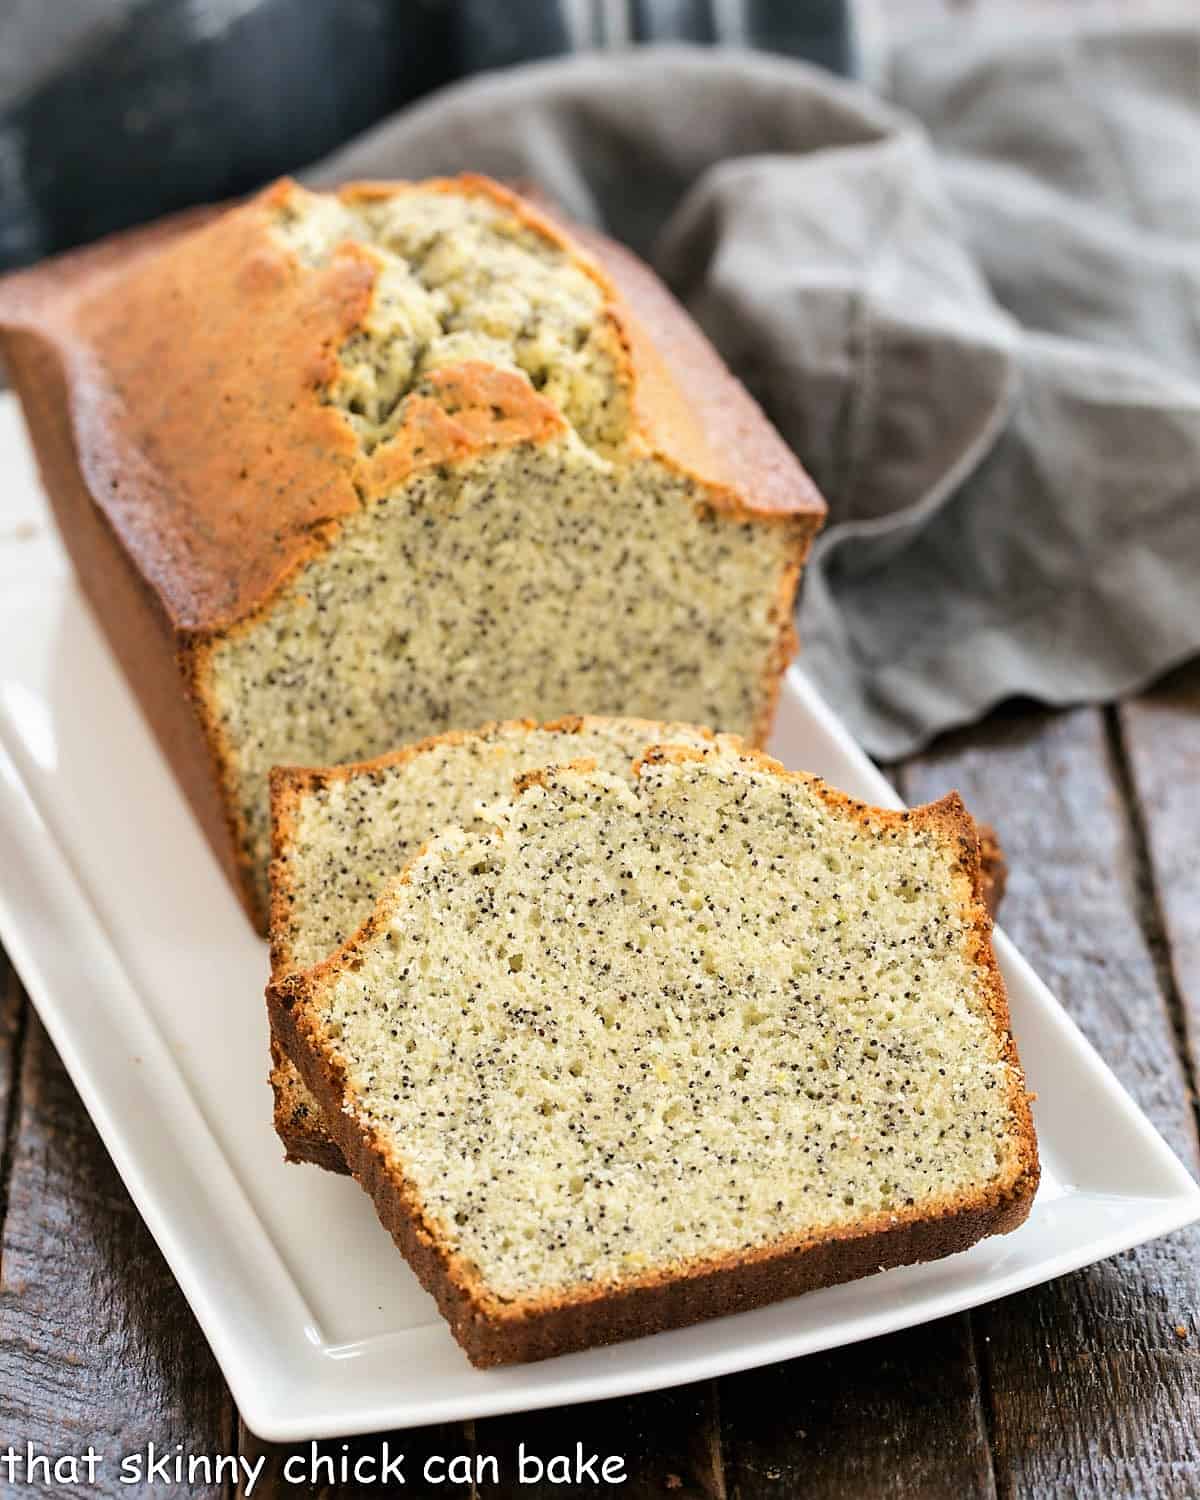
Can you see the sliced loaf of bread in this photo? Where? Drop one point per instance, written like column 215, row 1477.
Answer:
column 339, row 834
column 629, row 1056
column 340, row 470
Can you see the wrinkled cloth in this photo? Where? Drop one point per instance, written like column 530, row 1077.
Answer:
column 973, row 311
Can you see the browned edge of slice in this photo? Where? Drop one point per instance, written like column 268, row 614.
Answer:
column 298, row 1123
column 993, row 868
column 493, row 1332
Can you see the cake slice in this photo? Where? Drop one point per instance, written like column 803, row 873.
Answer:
column 635, row 1055
column 339, row 834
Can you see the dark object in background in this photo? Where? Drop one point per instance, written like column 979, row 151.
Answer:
column 116, row 111
column 165, row 103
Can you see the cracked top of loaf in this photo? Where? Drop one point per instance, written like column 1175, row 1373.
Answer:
column 240, row 384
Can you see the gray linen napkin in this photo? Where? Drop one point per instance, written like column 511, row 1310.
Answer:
column 976, row 318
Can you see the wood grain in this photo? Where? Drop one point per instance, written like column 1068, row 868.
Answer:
column 900, row 1416
column 13, row 1011
column 96, row 1342
column 669, row 1441
column 1161, row 741
column 1090, row 1389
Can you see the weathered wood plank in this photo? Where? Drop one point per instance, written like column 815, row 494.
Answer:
column 1161, row 737
column 12, row 1030
column 1091, row 1389
column 669, row 1442
column 898, row 1416
column 96, row 1342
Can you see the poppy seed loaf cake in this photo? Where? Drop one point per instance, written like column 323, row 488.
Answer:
column 342, row 470
column 634, row 1056
column 339, row 835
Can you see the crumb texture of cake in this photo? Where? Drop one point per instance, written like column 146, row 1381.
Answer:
column 369, row 465
column 460, row 280
column 538, row 580
column 635, row 1035
column 340, row 835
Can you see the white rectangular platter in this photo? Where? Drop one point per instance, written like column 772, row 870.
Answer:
column 149, row 981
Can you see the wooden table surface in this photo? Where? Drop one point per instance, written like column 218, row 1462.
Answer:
column 1089, row 1386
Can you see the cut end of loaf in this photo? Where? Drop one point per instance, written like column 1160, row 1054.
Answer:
column 488, row 385
column 646, row 1054
column 592, row 587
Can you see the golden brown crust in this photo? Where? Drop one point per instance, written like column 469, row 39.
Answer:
column 692, row 409
column 202, row 431
column 142, row 638
column 493, row 1332
column 688, row 409
column 297, row 1124
column 993, row 867
column 217, row 468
